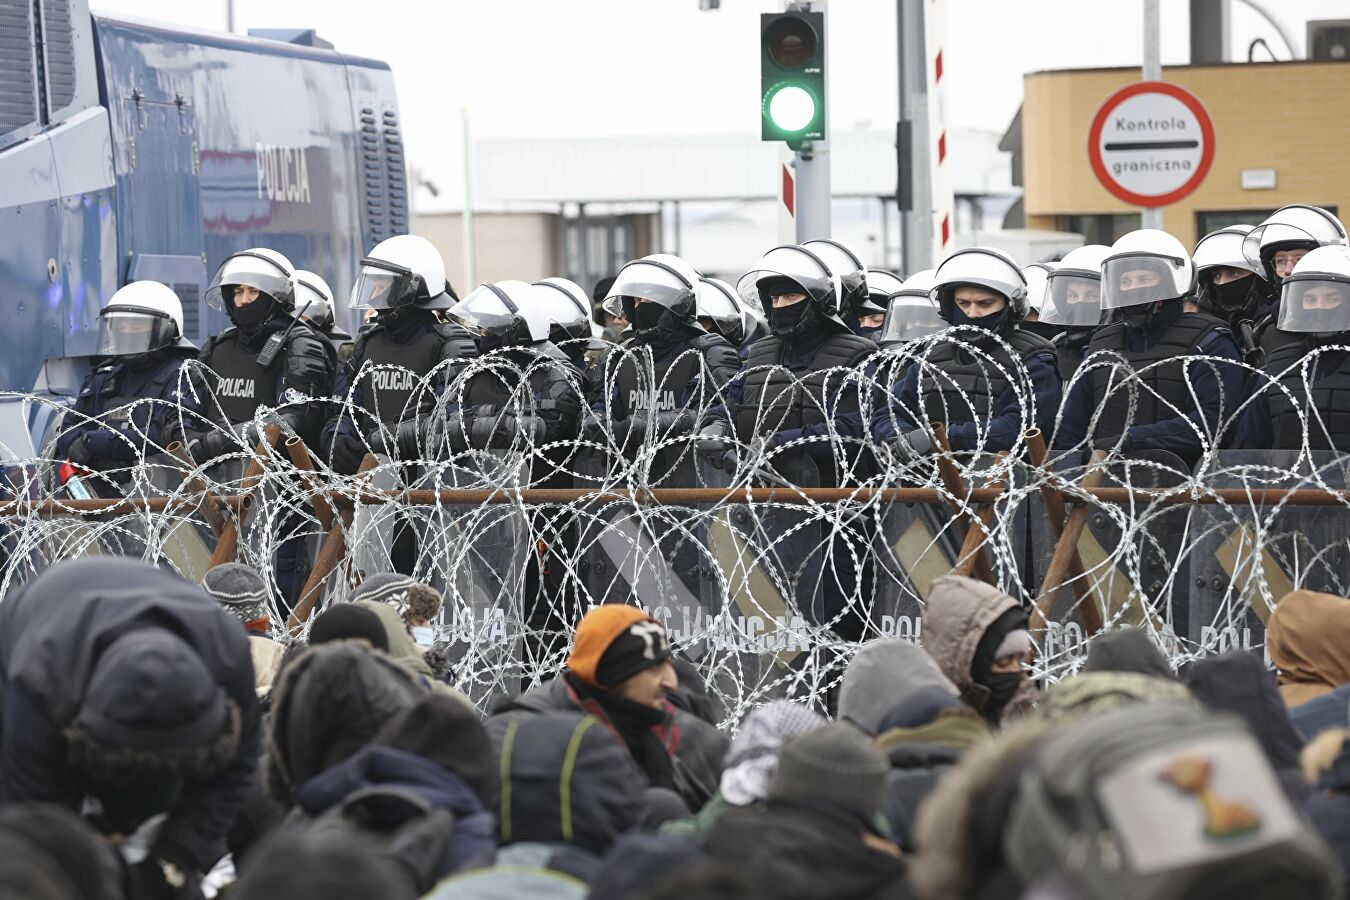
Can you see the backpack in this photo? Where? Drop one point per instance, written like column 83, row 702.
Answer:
column 1161, row 801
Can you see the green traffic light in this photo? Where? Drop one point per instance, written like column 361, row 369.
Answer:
column 792, row 108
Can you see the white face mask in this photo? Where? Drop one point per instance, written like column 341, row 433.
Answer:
column 424, row 635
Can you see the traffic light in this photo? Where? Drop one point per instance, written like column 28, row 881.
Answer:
column 792, row 77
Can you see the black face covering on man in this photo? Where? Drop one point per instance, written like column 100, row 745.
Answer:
column 991, row 322
column 794, row 320
column 253, row 314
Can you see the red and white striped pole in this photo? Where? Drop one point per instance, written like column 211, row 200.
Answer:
column 935, row 40
column 787, row 195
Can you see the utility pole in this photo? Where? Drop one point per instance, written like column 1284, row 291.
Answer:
column 1152, row 217
column 811, row 163
column 914, row 190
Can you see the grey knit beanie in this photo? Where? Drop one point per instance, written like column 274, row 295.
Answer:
column 387, row 587
column 239, row 589
column 834, row 764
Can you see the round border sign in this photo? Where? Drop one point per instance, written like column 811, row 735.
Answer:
column 1151, row 137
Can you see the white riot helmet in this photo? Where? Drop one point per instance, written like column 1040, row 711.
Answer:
column 313, row 299
column 1144, row 267
column 142, row 317
column 881, row 286
column 568, row 308
column 794, row 269
column 1222, row 249
column 1073, row 292
column 402, row 271
column 661, row 278
column 1036, row 275
column 504, row 314
column 848, row 265
column 1296, row 227
column 718, row 303
column 262, row 269
column 984, row 267
column 910, row 312
column 1315, row 298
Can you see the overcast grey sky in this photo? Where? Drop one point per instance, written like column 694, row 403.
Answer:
column 535, row 68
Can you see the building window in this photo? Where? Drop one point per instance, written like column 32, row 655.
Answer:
column 1104, row 229
column 1213, row 220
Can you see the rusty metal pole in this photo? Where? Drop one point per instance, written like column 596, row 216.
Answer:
column 1068, row 541
column 331, row 553
column 227, row 548
column 971, row 554
column 1053, row 499
column 956, row 488
column 299, row 455
column 210, row 506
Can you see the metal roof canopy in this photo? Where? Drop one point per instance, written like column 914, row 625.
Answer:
column 704, row 167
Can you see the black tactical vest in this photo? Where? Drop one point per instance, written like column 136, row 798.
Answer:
column 957, row 385
column 1328, row 395
column 402, row 368
column 774, row 399
column 1163, row 388
column 659, row 388
column 241, row 384
column 1069, row 349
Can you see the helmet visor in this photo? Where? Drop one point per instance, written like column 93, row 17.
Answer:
column 1073, row 297
column 381, row 286
column 1134, row 279
column 129, row 330
column 1315, row 303
column 485, row 311
column 248, row 270
column 910, row 318
column 760, row 286
column 643, row 280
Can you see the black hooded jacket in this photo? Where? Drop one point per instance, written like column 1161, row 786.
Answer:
column 52, row 633
column 1239, row 683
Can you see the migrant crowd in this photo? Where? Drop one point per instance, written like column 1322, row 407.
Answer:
column 160, row 739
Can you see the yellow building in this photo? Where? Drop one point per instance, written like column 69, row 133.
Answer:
column 1287, row 117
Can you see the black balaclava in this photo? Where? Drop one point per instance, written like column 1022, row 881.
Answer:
column 991, row 322
column 1002, row 686
column 406, row 323
column 656, row 325
column 250, row 317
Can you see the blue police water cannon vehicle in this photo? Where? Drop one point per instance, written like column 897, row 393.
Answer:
column 133, row 150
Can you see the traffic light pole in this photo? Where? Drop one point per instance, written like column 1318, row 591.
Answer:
column 915, row 187
column 811, row 163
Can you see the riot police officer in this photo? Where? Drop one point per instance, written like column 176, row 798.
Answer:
column 881, row 286
column 1275, row 247
column 1307, row 384
column 1073, row 303
column 140, row 338
column 1231, row 288
column 314, row 300
column 979, row 376
column 845, row 262
column 657, row 384
column 1147, row 350
column 722, row 311
column 385, row 387
column 268, row 359
column 573, row 331
column 803, row 388
column 910, row 311
column 488, row 411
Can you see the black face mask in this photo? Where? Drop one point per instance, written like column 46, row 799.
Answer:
column 788, row 322
column 871, row 333
column 489, row 342
column 1323, row 322
column 1003, row 686
column 647, row 316
column 1232, row 296
column 991, row 322
column 254, row 314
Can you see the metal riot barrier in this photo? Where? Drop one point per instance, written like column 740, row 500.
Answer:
column 766, row 586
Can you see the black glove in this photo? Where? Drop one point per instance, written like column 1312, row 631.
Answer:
column 165, row 874
column 347, row 453
column 912, row 445
column 81, row 451
column 210, row 446
column 594, row 431
column 483, row 431
column 409, row 437
column 674, row 423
